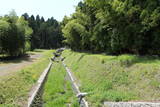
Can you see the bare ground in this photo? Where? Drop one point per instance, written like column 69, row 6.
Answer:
column 10, row 68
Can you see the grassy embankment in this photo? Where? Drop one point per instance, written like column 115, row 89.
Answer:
column 14, row 88
column 57, row 90
column 115, row 78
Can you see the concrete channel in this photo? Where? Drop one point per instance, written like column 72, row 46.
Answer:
column 80, row 95
column 36, row 92
column 131, row 104
column 35, row 96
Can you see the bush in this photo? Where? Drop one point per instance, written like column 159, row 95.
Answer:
column 14, row 33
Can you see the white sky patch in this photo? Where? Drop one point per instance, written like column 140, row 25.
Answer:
column 46, row 8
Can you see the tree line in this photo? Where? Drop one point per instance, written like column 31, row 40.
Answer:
column 114, row 26
column 111, row 26
column 46, row 34
column 25, row 33
column 14, row 34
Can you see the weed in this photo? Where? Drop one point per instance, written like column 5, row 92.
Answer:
column 115, row 78
column 57, row 90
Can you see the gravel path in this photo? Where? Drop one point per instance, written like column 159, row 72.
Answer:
column 8, row 69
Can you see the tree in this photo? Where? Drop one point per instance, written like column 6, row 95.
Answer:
column 26, row 16
column 115, row 26
column 14, row 32
column 46, row 34
column 4, row 28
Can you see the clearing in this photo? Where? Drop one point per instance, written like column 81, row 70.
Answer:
column 9, row 67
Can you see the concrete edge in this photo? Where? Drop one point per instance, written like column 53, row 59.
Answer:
column 39, row 85
column 76, row 88
column 131, row 104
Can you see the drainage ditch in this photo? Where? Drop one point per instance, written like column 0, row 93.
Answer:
column 36, row 100
column 35, row 97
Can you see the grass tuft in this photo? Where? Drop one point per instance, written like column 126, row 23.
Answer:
column 57, row 90
column 115, row 78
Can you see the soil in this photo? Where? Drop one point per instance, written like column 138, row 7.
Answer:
column 9, row 67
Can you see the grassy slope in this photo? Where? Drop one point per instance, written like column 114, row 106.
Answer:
column 14, row 89
column 57, row 90
column 116, row 78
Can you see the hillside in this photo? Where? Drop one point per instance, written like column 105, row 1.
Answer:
column 115, row 78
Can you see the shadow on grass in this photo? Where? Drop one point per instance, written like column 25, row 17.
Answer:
column 126, row 59
column 17, row 59
column 4, row 59
column 38, row 50
column 139, row 59
column 81, row 57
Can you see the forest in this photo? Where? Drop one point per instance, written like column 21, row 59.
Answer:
column 26, row 33
column 114, row 27
column 110, row 26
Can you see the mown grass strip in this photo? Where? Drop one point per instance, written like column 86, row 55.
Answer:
column 57, row 90
column 14, row 89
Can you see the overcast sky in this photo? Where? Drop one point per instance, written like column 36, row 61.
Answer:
column 46, row 8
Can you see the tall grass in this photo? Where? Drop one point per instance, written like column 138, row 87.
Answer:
column 115, row 78
column 57, row 90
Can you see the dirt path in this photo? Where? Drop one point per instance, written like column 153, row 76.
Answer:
column 10, row 68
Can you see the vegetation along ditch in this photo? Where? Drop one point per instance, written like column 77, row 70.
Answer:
column 56, row 89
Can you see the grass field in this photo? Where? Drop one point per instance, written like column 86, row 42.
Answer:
column 105, row 78
column 116, row 78
column 57, row 89
column 14, row 89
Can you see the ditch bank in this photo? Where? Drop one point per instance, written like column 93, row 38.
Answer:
column 80, row 95
column 35, row 95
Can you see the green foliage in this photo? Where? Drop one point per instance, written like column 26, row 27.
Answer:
column 4, row 28
column 46, row 34
column 116, row 26
column 27, row 46
column 74, row 32
column 14, row 33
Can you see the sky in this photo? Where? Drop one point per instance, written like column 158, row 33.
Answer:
column 46, row 8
